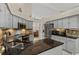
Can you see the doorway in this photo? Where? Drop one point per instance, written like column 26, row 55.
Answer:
column 36, row 30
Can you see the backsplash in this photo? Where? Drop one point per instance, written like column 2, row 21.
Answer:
column 66, row 32
column 1, row 36
column 72, row 32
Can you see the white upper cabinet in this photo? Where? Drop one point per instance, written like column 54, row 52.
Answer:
column 26, row 24
column 30, row 25
column 60, row 23
column 65, row 23
column 24, row 21
column 55, row 24
column 73, row 22
column 9, row 21
column 20, row 20
column 1, row 16
column 4, row 16
column 15, row 22
column 8, row 18
column 69, row 22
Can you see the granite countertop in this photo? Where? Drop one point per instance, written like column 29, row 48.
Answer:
column 40, row 46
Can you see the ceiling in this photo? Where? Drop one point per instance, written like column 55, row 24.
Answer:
column 38, row 10
column 51, row 9
column 21, row 9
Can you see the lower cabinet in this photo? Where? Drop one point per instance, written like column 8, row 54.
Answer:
column 71, row 45
column 53, row 51
column 65, row 41
column 31, row 37
column 58, row 38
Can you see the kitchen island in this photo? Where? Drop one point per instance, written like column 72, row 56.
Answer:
column 44, row 47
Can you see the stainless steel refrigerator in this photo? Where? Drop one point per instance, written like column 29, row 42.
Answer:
column 47, row 29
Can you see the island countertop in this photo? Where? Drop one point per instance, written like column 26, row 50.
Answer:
column 40, row 46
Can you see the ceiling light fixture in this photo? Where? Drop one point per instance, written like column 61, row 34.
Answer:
column 20, row 10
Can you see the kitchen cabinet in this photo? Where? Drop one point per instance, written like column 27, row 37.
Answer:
column 54, row 37
column 9, row 21
column 60, row 23
column 65, row 23
column 70, row 45
column 26, row 24
column 20, row 20
column 57, row 38
column 30, row 25
column 60, row 39
column 5, row 17
column 2, row 14
column 68, row 22
column 55, row 24
column 65, row 42
column 53, row 51
column 15, row 21
column 23, row 21
column 31, row 38
column 73, row 22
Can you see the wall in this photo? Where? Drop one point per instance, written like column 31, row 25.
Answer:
column 36, row 26
column 26, row 10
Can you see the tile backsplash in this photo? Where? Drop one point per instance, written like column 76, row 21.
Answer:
column 1, row 36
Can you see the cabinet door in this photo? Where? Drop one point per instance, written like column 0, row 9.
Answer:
column 20, row 20
column 65, row 43
column 2, row 15
column 30, row 25
column 60, row 39
column 71, row 45
column 31, row 38
column 56, row 38
column 55, row 24
column 27, row 24
column 9, row 21
column 73, row 22
column 24, row 21
column 65, row 23
column 60, row 23
column 7, row 18
column 15, row 22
